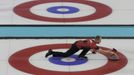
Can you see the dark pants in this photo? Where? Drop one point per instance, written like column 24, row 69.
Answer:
column 71, row 51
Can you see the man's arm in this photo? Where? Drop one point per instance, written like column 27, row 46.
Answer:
column 95, row 49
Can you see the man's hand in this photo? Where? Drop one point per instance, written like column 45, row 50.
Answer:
column 114, row 50
column 93, row 52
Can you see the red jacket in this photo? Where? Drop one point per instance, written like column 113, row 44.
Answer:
column 89, row 43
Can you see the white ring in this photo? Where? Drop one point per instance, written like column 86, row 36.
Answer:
column 41, row 10
column 63, row 9
column 68, row 59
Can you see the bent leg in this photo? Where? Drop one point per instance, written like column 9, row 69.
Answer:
column 84, row 52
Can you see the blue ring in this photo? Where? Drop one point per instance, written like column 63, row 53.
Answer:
column 57, row 60
column 71, row 10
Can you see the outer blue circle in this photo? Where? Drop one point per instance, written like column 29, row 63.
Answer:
column 57, row 60
column 55, row 10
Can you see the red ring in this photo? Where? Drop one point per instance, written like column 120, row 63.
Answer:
column 20, row 61
column 101, row 11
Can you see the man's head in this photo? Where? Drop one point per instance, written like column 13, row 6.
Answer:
column 98, row 39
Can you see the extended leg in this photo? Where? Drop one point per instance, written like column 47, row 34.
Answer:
column 66, row 54
column 70, row 52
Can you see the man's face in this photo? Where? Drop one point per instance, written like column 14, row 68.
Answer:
column 97, row 41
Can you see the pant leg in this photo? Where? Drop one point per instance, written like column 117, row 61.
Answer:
column 84, row 52
column 58, row 54
column 69, row 52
